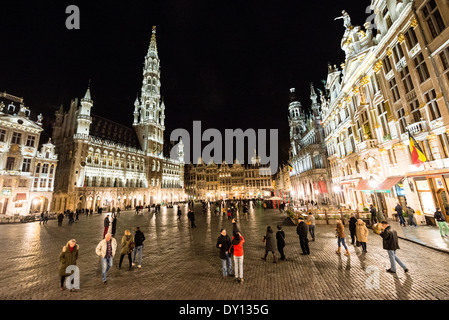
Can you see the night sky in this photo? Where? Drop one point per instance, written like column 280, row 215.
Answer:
column 229, row 64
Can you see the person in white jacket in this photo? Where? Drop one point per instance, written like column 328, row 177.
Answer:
column 106, row 251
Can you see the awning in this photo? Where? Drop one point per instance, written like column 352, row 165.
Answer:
column 389, row 183
column 363, row 185
column 21, row 197
column 386, row 185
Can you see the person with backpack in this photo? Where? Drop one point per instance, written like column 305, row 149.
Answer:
column 224, row 244
column 441, row 221
column 139, row 238
column 128, row 245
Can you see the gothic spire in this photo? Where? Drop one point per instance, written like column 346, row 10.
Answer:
column 152, row 51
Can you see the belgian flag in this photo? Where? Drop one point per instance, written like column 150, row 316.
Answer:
column 418, row 157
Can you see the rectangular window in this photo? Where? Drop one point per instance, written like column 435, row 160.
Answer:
column 411, row 39
column 414, row 110
column 387, row 64
column 433, row 18
column 444, row 57
column 10, row 163
column 398, row 53
column 45, row 168
column 30, row 141
column 394, row 89
column 406, row 80
column 421, row 67
column 26, row 165
column 432, row 104
column 401, row 119
column 16, row 137
column 23, row 183
column 2, row 135
column 387, row 18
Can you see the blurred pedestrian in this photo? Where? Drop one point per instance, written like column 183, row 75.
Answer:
column 362, row 233
column 280, row 237
column 270, row 241
column 352, row 228
column 391, row 244
column 441, row 221
column 106, row 251
column 60, row 218
column 128, row 245
column 340, row 229
column 139, row 238
column 311, row 224
column 191, row 216
column 68, row 257
column 399, row 211
column 237, row 244
column 411, row 216
column 179, row 213
column 114, row 225
column 224, row 244
column 105, row 225
column 302, row 232
column 373, row 213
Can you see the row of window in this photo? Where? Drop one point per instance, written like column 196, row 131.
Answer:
column 26, row 166
column 17, row 138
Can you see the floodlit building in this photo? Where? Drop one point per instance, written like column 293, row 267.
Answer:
column 109, row 165
column 393, row 82
column 27, row 173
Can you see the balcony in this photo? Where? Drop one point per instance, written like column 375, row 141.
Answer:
column 366, row 145
column 419, row 130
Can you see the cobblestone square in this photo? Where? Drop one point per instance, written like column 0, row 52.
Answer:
column 180, row 263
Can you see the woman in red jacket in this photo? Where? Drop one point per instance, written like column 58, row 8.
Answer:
column 237, row 244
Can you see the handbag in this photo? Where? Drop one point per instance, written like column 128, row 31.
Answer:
column 132, row 245
column 358, row 244
column 231, row 249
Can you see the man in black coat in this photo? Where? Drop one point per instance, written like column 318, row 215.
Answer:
column 191, row 216
column 224, row 243
column 399, row 210
column 391, row 244
column 302, row 230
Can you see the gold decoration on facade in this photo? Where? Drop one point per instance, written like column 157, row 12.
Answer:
column 401, row 37
column 378, row 66
column 348, row 99
column 364, row 81
column 389, row 52
column 414, row 23
column 355, row 90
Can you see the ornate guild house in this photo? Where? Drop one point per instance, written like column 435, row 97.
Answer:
column 108, row 165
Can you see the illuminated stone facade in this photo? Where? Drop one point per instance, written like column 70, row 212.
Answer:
column 108, row 165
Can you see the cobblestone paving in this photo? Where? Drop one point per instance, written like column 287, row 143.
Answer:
column 180, row 263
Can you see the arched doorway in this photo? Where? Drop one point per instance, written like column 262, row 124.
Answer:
column 39, row 204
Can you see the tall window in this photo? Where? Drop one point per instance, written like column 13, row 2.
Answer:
column 398, row 53
column 387, row 64
column 394, row 89
column 444, row 56
column 383, row 111
column 421, row 67
column 26, row 165
column 2, row 135
column 411, row 39
column 10, row 163
column 16, row 137
column 433, row 18
column 432, row 104
column 414, row 110
column 387, row 18
column 402, row 121
column 45, row 168
column 30, row 141
column 406, row 79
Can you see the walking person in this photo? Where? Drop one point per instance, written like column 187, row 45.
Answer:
column 441, row 221
column 237, row 244
column 302, row 232
column 191, row 216
column 106, row 251
column 114, row 225
column 224, row 244
column 139, row 238
column 106, row 226
column 68, row 257
column 352, row 228
column 46, row 217
column 391, row 244
column 60, row 218
column 128, row 245
column 41, row 220
column 270, row 241
column 179, row 213
column 280, row 237
column 341, row 237
column 311, row 224
column 373, row 212
column 362, row 234
column 411, row 216
column 399, row 212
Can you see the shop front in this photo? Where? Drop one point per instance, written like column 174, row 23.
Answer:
column 432, row 190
